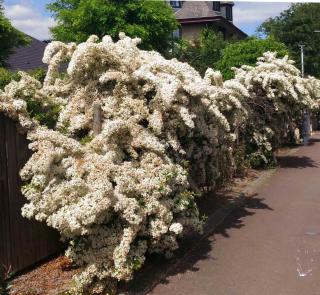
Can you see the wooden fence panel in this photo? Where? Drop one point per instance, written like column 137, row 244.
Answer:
column 23, row 242
column 4, row 201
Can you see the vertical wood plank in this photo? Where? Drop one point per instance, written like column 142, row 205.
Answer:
column 4, row 200
column 12, row 169
column 97, row 118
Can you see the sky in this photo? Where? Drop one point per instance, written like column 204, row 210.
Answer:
column 248, row 16
column 32, row 18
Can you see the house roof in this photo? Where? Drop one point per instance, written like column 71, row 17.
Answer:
column 196, row 9
column 201, row 12
column 226, row 3
column 216, row 19
column 27, row 57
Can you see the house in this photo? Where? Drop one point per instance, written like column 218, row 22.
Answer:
column 194, row 16
column 28, row 57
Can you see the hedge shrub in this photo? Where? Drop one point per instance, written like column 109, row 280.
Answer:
column 167, row 133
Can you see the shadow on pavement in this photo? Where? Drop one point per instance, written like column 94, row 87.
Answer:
column 297, row 162
column 192, row 249
column 234, row 220
column 313, row 141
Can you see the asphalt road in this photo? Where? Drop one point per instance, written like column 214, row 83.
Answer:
column 271, row 246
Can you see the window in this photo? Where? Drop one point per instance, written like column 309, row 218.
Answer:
column 216, row 5
column 229, row 13
column 177, row 34
column 175, row 4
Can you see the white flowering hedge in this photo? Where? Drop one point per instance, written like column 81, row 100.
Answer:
column 166, row 133
column 277, row 97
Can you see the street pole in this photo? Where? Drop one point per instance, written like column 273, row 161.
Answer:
column 306, row 117
column 318, row 114
column 302, row 59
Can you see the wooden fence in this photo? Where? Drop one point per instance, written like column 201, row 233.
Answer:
column 22, row 242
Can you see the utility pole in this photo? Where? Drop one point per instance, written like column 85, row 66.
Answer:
column 318, row 114
column 302, row 59
column 306, row 117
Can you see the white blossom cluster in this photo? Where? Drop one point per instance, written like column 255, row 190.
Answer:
column 277, row 97
column 166, row 133
column 280, row 82
column 12, row 102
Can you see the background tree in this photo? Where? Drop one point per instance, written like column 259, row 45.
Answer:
column 9, row 37
column 295, row 26
column 152, row 21
column 6, row 76
column 246, row 52
column 202, row 52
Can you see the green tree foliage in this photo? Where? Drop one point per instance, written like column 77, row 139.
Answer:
column 152, row 21
column 6, row 76
column 295, row 26
column 9, row 37
column 202, row 52
column 38, row 73
column 246, row 52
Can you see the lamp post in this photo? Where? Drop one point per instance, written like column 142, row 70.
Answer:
column 318, row 114
column 302, row 59
column 306, row 117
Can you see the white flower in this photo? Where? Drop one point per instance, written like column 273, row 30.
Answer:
column 176, row 228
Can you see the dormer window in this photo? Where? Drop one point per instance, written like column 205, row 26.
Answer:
column 216, row 5
column 229, row 13
column 175, row 4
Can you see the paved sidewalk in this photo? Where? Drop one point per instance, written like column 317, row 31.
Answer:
column 271, row 246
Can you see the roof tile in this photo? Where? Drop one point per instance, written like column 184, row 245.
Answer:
column 27, row 57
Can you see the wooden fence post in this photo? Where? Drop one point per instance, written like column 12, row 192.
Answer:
column 97, row 118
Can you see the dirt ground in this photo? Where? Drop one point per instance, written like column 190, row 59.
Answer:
column 51, row 278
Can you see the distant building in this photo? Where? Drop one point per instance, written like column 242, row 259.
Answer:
column 28, row 57
column 194, row 16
